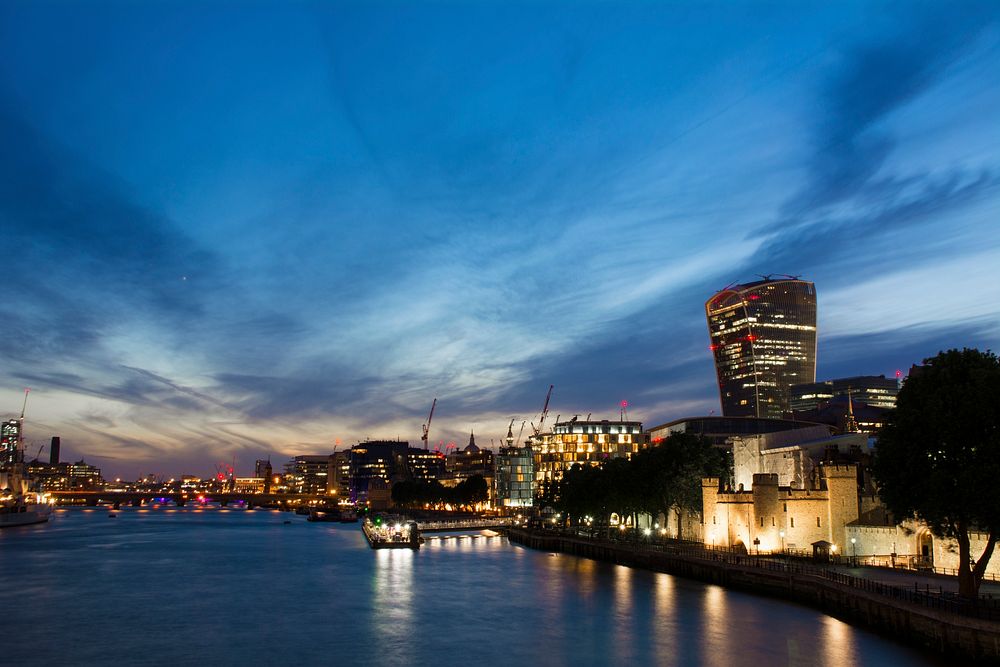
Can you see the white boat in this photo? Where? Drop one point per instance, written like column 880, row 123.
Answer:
column 24, row 512
column 19, row 505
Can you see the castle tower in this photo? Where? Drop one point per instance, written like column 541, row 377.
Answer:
column 768, row 517
column 842, row 490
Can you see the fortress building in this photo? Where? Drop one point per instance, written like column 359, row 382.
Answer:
column 772, row 518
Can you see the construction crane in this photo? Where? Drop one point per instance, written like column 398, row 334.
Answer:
column 520, row 433
column 19, row 445
column 545, row 412
column 427, row 426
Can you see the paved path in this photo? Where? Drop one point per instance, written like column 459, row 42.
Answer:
column 909, row 577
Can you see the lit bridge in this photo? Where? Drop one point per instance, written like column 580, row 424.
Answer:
column 117, row 499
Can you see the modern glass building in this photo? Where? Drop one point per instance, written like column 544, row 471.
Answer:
column 875, row 390
column 763, row 339
column 586, row 443
column 515, row 470
column 10, row 434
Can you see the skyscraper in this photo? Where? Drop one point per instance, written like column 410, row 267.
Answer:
column 10, row 438
column 763, row 338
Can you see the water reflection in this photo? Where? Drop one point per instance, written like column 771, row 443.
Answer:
column 187, row 584
column 664, row 631
column 716, row 629
column 624, row 628
column 392, row 610
column 838, row 643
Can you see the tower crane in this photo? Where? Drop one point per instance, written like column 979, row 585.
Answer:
column 427, row 426
column 545, row 412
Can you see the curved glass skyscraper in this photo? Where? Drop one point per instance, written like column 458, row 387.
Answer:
column 764, row 340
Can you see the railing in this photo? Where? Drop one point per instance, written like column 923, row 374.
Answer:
column 912, row 563
column 466, row 524
column 938, row 598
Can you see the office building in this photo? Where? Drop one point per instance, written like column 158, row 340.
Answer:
column 515, row 475
column 10, row 436
column 763, row 340
column 877, row 391
column 308, row 473
column 584, row 442
column 382, row 460
column 720, row 430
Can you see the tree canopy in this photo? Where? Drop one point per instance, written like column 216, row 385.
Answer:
column 938, row 454
column 415, row 494
column 658, row 479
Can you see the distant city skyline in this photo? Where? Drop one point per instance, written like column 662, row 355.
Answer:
column 240, row 231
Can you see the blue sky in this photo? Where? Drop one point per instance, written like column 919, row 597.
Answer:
column 235, row 229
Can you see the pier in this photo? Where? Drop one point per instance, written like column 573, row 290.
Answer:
column 482, row 523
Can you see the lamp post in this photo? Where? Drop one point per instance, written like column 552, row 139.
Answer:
column 854, row 550
column 782, row 534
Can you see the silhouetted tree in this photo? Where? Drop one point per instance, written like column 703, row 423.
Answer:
column 938, row 455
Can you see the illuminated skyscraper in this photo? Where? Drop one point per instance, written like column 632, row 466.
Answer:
column 764, row 340
column 10, row 435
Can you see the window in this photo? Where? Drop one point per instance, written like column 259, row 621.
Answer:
column 786, row 507
column 772, row 522
column 762, row 522
column 817, row 522
column 793, row 522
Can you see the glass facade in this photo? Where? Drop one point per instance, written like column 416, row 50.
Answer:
column 587, row 443
column 308, row 473
column 10, row 433
column 875, row 390
column 763, row 340
column 515, row 476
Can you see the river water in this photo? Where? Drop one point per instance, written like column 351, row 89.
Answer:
column 211, row 586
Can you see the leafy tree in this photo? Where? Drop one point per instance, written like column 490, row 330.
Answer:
column 671, row 474
column 938, row 455
column 475, row 490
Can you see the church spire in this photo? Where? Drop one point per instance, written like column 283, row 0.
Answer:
column 851, row 424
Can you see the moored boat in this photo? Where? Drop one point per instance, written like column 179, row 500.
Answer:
column 391, row 532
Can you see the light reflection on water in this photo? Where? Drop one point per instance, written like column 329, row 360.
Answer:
column 210, row 587
column 392, row 603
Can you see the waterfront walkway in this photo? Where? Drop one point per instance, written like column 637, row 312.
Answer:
column 928, row 616
column 464, row 524
column 914, row 587
column 989, row 590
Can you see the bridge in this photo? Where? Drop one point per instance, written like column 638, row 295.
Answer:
column 464, row 524
column 117, row 499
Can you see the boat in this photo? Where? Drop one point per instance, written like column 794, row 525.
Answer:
column 19, row 504
column 333, row 516
column 391, row 532
column 24, row 511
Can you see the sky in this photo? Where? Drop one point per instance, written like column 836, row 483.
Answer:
column 239, row 230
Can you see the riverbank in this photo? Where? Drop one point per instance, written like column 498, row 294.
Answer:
column 933, row 622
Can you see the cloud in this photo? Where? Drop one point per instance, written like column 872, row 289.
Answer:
column 875, row 79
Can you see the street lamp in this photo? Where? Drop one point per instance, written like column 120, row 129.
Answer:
column 782, row 534
column 854, row 549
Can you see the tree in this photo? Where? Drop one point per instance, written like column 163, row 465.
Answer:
column 938, row 455
column 671, row 474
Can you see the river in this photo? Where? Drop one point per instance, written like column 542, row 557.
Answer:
column 211, row 586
